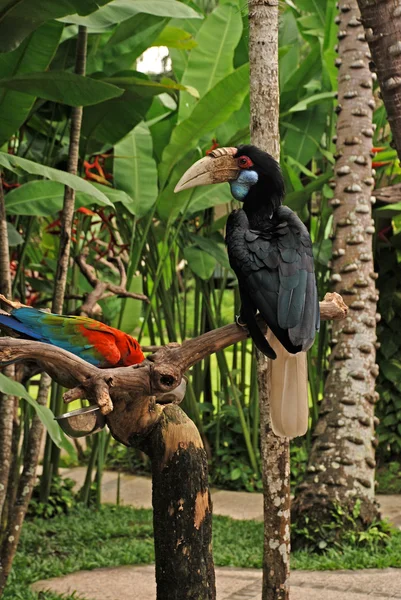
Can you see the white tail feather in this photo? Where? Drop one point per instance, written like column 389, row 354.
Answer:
column 289, row 406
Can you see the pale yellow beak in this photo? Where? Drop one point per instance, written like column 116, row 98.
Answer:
column 220, row 166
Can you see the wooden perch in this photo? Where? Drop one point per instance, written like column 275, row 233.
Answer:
column 136, row 390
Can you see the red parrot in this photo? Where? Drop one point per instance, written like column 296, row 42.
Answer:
column 95, row 342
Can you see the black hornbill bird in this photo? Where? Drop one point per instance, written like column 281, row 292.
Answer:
column 270, row 251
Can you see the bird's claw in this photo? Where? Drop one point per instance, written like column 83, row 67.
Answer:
column 239, row 322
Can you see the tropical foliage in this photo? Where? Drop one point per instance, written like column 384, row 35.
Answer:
column 140, row 132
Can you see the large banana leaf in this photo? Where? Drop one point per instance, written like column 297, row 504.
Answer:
column 44, row 198
column 22, row 165
column 212, row 59
column 135, row 169
column 200, row 262
column 121, row 10
column 61, row 86
column 34, row 54
column 213, row 109
column 19, row 19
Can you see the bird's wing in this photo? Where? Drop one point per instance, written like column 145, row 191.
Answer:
column 78, row 335
column 275, row 271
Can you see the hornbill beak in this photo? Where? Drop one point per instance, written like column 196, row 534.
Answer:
column 219, row 167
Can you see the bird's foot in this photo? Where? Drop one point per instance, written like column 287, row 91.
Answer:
column 239, row 322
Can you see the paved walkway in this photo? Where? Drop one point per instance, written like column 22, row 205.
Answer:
column 137, row 491
column 134, row 583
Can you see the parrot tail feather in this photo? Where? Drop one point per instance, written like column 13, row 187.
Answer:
column 289, row 406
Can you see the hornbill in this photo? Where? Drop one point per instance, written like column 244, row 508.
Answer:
column 270, row 251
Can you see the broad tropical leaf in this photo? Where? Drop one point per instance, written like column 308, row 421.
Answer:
column 34, row 54
column 19, row 19
column 200, row 262
column 121, row 10
column 135, row 169
column 22, row 165
column 212, row 59
column 13, row 388
column 61, row 86
column 213, row 109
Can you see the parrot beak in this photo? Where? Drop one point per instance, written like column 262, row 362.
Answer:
column 219, row 167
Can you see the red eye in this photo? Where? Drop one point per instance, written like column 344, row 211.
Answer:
column 244, row 162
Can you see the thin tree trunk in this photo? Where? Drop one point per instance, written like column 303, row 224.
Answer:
column 67, row 217
column 24, row 493
column 382, row 22
column 341, row 464
column 6, row 402
column 264, row 96
column 69, row 194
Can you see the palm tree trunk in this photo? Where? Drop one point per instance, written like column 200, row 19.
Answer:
column 382, row 22
column 341, row 464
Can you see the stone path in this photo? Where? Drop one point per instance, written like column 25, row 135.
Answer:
column 137, row 491
column 133, row 583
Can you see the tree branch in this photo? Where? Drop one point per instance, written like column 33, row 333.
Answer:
column 100, row 288
column 161, row 373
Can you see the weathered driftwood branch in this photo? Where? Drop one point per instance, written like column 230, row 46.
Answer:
column 104, row 289
column 135, row 392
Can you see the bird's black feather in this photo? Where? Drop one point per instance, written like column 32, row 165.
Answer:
column 275, row 270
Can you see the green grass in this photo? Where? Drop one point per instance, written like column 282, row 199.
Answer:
column 113, row 536
column 388, row 478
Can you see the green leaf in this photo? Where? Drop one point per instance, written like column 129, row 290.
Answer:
column 61, row 86
column 296, row 200
column 147, row 86
column 235, row 474
column 311, row 101
column 18, row 165
column 34, row 54
column 14, row 238
column 19, row 18
column 213, row 109
column 132, row 37
column 212, row 59
column 207, row 196
column 108, row 122
column 211, row 247
column 200, row 262
column 132, row 308
column 174, row 37
column 135, row 169
column 44, row 198
column 13, row 388
column 390, row 210
column 121, row 10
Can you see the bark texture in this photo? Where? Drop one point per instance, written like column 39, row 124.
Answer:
column 24, row 493
column 264, row 106
column 182, row 509
column 6, row 402
column 69, row 194
column 342, row 461
column 382, row 22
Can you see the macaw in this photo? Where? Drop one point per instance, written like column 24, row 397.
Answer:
column 95, row 342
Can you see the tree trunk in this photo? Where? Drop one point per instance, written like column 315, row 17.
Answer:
column 341, row 464
column 264, row 99
column 7, row 402
column 24, row 493
column 182, row 509
column 382, row 22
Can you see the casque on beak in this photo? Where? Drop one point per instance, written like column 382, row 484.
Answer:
column 220, row 166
